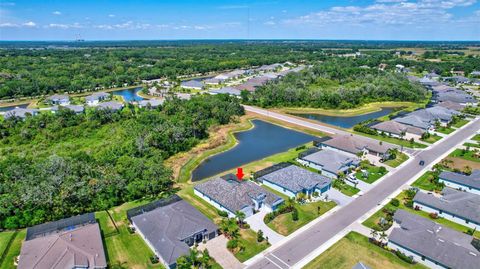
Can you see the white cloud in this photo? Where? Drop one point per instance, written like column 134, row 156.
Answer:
column 30, row 24
column 57, row 13
column 111, row 15
column 64, row 26
column 8, row 25
column 270, row 23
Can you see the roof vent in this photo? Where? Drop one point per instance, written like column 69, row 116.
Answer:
column 430, row 231
column 473, row 254
column 441, row 240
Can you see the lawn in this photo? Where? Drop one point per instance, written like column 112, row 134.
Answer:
column 201, row 205
column 284, row 224
column 248, row 238
column 5, row 238
column 354, row 248
column 444, row 130
column 13, row 251
column 431, row 139
column 399, row 159
column 374, row 173
column 472, row 145
column 424, row 182
column 476, row 137
column 460, row 123
column 464, row 154
column 345, row 188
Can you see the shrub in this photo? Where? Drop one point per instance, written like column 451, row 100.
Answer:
column 222, row 213
column 295, row 214
column 154, row 259
column 409, row 203
column 300, row 147
column 433, row 215
column 260, row 236
column 232, row 244
column 395, row 202
column 404, row 257
column 382, row 170
column 269, row 217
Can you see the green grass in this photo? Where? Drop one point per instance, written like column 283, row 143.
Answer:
column 284, row 224
column 345, row 188
column 472, row 145
column 431, row 139
column 374, row 174
column 14, row 250
column 354, row 248
column 400, row 158
column 460, row 123
column 476, row 137
column 394, row 140
column 5, row 238
column 424, row 182
column 201, row 205
column 445, row 130
column 467, row 155
column 248, row 238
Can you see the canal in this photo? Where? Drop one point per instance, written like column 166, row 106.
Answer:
column 263, row 140
column 129, row 95
column 8, row 108
column 348, row 121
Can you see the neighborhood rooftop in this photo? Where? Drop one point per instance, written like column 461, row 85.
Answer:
column 20, row 112
column 396, row 128
column 296, row 179
column 356, row 144
column 457, row 203
column 472, row 180
column 168, row 227
column 448, row 247
column 331, row 161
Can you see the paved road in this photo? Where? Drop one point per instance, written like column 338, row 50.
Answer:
column 320, row 127
column 298, row 247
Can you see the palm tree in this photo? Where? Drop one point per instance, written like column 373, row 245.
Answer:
column 383, row 236
column 374, row 234
column 193, row 256
column 240, row 216
column 205, row 259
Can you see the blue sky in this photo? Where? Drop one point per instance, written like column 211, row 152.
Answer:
column 182, row 19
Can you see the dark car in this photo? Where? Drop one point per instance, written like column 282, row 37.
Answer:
column 422, row 162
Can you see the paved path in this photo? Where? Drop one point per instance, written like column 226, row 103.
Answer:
column 296, row 251
column 338, row 197
column 256, row 223
column 217, row 248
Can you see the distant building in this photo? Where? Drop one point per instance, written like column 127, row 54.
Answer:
column 292, row 180
column 191, row 84
column 58, row 99
column 95, row 98
column 231, row 195
column 226, row 90
column 21, row 113
column 469, row 183
column 112, row 105
column 355, row 145
column 152, row 103
column 330, row 162
column 170, row 227
column 75, row 242
column 75, row 108
column 212, row 81
column 397, row 129
column 457, row 206
column 431, row 244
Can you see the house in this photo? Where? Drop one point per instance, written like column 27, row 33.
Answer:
column 457, row 206
column 20, row 112
column 231, row 195
column 329, row 162
column 75, row 108
column 58, row 99
column 432, row 244
column 355, row 145
column 397, row 129
column 95, row 98
column 170, row 227
column 251, row 84
column 74, row 242
column 416, row 121
column 459, row 97
column 292, row 180
column 151, row 103
column 192, row 84
column 468, row 183
column 112, row 105
column 226, row 90
column 426, row 118
column 212, row 81
column 432, row 76
column 452, row 105
column 475, row 73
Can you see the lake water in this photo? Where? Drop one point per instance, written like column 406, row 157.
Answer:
column 346, row 122
column 263, row 140
column 8, row 108
column 129, row 95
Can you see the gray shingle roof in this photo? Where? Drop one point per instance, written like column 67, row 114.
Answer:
column 472, row 180
column 97, row 96
column 20, row 112
column 226, row 90
column 235, row 195
column 191, row 84
column 152, row 102
column 415, row 121
column 74, row 108
column 110, row 105
column 332, row 161
column 446, row 246
column 296, row 179
column 166, row 227
column 355, row 144
column 397, row 128
column 461, row 204
column 58, row 97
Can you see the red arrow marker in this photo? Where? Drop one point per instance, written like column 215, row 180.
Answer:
column 240, row 173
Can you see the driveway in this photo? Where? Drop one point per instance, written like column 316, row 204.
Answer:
column 217, row 248
column 256, row 223
column 338, row 197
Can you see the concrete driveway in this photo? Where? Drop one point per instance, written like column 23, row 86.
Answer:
column 217, row 248
column 338, row 197
column 256, row 223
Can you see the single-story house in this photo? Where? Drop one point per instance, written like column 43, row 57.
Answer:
column 457, row 206
column 59, row 99
column 416, row 121
column 75, row 108
column 397, row 129
column 355, row 144
column 469, row 183
column 170, row 227
column 152, row 103
column 230, row 195
column 292, row 180
column 226, row 90
column 75, row 242
column 452, row 105
column 192, row 84
column 330, row 162
column 96, row 98
column 432, row 244
column 20, row 112
column 426, row 118
column 112, row 105
column 457, row 97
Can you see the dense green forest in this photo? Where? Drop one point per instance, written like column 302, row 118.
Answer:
column 336, row 83
column 56, row 165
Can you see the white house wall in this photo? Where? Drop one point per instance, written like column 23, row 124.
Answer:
column 447, row 216
column 416, row 257
column 459, row 187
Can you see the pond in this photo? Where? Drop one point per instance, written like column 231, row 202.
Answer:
column 346, row 122
column 129, row 95
column 8, row 108
column 263, row 140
